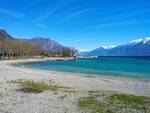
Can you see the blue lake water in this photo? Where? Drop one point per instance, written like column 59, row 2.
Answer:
column 138, row 67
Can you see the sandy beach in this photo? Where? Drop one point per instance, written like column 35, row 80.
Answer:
column 14, row 101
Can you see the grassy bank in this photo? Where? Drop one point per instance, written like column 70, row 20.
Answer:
column 108, row 102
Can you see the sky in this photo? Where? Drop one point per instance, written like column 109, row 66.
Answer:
column 83, row 24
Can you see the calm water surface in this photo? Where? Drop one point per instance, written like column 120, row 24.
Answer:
column 115, row 66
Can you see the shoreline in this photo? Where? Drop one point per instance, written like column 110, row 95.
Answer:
column 21, row 62
column 24, row 61
column 15, row 101
column 83, row 74
column 11, row 63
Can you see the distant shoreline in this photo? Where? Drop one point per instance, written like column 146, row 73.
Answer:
column 21, row 64
column 91, row 72
column 20, row 61
column 123, row 84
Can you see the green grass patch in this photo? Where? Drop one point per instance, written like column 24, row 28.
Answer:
column 98, row 102
column 62, row 97
column 1, row 95
column 69, row 90
column 133, row 100
column 31, row 86
column 37, row 87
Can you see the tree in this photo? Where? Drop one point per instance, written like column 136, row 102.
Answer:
column 18, row 48
column 68, row 52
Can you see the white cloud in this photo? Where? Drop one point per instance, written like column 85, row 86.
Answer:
column 11, row 13
column 54, row 9
column 75, row 14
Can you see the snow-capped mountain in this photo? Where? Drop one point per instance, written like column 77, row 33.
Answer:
column 109, row 47
column 139, row 47
column 82, row 52
column 138, row 41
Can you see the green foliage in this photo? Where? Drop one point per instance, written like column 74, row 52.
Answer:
column 68, row 90
column 37, row 87
column 97, row 102
column 133, row 100
column 31, row 86
column 91, row 103
column 62, row 97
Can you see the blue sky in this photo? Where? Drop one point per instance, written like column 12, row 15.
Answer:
column 83, row 24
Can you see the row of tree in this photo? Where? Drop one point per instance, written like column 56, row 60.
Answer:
column 19, row 49
column 68, row 52
column 12, row 49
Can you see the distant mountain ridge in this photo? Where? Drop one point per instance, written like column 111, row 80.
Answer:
column 139, row 47
column 46, row 43
column 4, row 35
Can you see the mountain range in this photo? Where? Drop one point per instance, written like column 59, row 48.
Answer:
column 139, row 47
column 46, row 43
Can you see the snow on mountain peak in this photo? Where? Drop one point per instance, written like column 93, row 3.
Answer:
column 108, row 47
column 82, row 50
column 145, row 40
column 136, row 41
